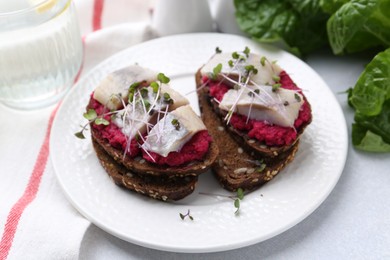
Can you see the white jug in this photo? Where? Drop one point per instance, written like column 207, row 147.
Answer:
column 182, row 16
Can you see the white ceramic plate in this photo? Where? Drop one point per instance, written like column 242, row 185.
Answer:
column 280, row 204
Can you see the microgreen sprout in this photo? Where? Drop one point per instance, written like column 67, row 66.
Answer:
column 235, row 55
column 262, row 61
column 231, row 64
column 144, row 92
column 247, row 51
column 237, row 198
column 176, row 123
column 167, row 98
column 251, row 68
column 276, row 78
column 254, row 92
column 132, row 89
column 276, row 87
column 162, row 78
column 134, row 86
column 217, row 69
column 80, row 134
column 218, row 50
column 154, row 86
column 101, row 121
column 91, row 116
column 183, row 216
column 240, row 196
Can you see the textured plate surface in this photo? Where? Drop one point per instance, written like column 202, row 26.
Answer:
column 280, row 204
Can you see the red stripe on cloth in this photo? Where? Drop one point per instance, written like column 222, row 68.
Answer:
column 29, row 193
column 33, row 185
column 97, row 14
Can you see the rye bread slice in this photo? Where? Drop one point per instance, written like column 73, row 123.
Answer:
column 157, row 187
column 247, row 143
column 237, row 167
column 143, row 167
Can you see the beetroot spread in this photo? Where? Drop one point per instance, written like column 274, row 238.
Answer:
column 271, row 135
column 193, row 150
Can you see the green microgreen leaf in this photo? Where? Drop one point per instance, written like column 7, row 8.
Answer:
column 175, row 123
column 297, row 97
column 253, row 93
column 218, row 50
column 237, row 205
column 90, row 114
column 235, row 55
column 144, row 92
column 262, row 61
column 230, row 62
column 217, row 69
column 276, row 78
column 167, row 98
column 276, row 87
column 101, row 121
column 131, row 97
column 80, row 135
column 154, row 86
column 183, row 216
column 162, row 78
column 240, row 193
column 249, row 67
column 247, row 51
column 133, row 86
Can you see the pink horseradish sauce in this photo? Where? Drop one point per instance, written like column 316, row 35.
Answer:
column 195, row 149
column 271, row 135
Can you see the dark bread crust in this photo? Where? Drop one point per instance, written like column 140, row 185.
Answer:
column 249, row 144
column 144, row 167
column 236, row 167
column 156, row 187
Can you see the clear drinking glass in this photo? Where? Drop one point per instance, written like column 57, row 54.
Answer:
column 40, row 51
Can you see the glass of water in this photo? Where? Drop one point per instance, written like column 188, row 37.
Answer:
column 40, row 51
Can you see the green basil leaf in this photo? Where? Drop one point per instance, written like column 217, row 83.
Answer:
column 359, row 25
column 331, row 6
column 379, row 124
column 372, row 88
column 367, row 141
column 300, row 24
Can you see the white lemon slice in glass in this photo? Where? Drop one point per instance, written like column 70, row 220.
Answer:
column 42, row 6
